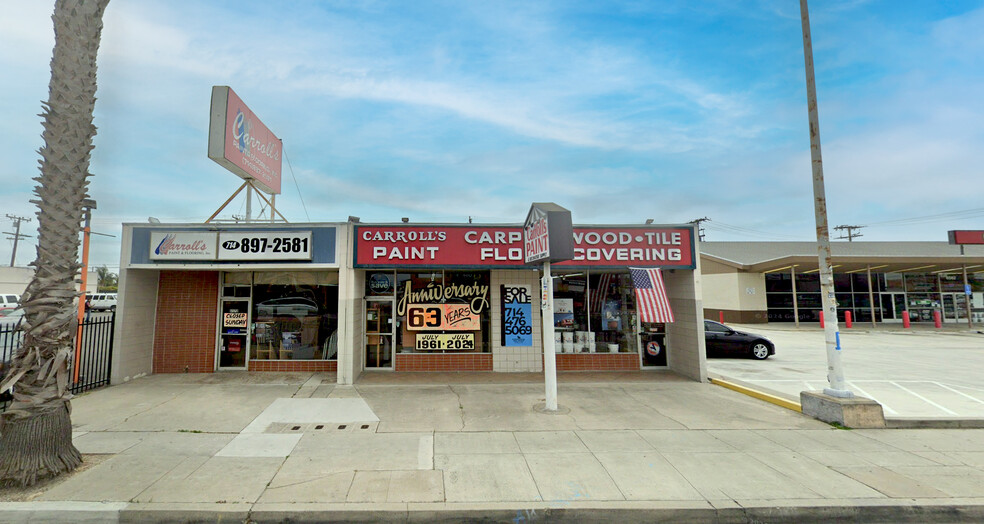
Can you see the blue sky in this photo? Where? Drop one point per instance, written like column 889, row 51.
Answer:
column 437, row 111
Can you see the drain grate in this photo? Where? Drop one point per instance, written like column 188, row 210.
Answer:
column 322, row 427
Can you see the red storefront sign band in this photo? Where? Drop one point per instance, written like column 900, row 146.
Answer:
column 502, row 246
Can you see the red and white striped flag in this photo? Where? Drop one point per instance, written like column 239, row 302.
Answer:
column 599, row 295
column 651, row 298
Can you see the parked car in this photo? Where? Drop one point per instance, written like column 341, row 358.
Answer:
column 102, row 301
column 9, row 301
column 724, row 341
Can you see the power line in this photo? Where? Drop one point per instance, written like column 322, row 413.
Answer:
column 700, row 229
column 967, row 213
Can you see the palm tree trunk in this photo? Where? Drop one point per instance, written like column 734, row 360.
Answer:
column 36, row 430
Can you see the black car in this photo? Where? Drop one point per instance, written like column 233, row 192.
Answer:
column 724, row 342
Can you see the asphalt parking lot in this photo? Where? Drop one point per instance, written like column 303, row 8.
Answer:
column 917, row 373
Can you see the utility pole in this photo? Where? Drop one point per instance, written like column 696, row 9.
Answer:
column 16, row 235
column 835, row 366
column 851, row 235
column 700, row 229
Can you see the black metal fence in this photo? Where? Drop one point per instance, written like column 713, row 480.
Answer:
column 96, row 352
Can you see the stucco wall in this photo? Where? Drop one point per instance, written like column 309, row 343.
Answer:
column 135, row 325
column 685, row 336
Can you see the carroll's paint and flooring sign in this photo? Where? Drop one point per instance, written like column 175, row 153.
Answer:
column 466, row 246
column 517, row 316
column 160, row 245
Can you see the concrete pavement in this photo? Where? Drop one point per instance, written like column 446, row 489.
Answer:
column 916, row 374
column 637, row 447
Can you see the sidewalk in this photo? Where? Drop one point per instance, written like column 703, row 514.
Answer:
column 632, row 447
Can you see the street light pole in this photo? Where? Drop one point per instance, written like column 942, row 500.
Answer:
column 835, row 368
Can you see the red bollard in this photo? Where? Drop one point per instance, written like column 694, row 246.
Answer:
column 937, row 321
column 721, row 317
column 821, row 319
column 905, row 319
column 847, row 319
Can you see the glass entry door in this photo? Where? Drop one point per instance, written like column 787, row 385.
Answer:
column 233, row 333
column 892, row 307
column 954, row 306
column 379, row 333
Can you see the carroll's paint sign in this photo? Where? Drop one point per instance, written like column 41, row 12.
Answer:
column 547, row 234
column 966, row 237
column 239, row 142
column 517, row 316
column 476, row 247
column 183, row 245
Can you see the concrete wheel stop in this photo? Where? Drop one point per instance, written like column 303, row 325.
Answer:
column 854, row 412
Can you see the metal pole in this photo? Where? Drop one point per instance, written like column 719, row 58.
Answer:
column 796, row 312
column 835, row 368
column 871, row 297
column 273, row 208
column 549, row 351
column 249, row 202
column 967, row 296
column 81, row 308
column 13, row 256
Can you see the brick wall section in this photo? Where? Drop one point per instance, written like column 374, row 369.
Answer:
column 317, row 366
column 444, row 362
column 598, row 362
column 184, row 339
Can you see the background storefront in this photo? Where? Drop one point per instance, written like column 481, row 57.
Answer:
column 874, row 281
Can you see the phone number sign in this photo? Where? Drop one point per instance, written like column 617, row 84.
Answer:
column 267, row 245
column 445, row 341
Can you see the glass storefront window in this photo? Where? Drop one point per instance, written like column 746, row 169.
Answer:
column 778, row 282
column 921, row 283
column 807, row 282
column 443, row 312
column 612, row 312
column 295, row 316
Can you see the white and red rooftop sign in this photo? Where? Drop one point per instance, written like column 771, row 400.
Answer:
column 239, row 142
column 468, row 246
column 966, row 237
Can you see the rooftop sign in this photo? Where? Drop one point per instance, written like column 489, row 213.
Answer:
column 239, row 142
column 966, row 237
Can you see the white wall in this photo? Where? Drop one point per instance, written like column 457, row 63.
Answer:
column 15, row 280
column 133, row 343
column 734, row 291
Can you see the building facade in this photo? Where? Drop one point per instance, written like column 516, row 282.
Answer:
column 351, row 297
column 877, row 282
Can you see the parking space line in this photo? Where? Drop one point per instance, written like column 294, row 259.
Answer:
column 944, row 386
column 924, row 399
column 885, row 408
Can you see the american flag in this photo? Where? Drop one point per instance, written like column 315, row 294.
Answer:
column 599, row 295
column 651, row 298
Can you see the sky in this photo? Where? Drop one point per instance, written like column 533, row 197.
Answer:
column 448, row 111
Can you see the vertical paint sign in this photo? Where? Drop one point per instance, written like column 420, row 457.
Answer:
column 517, row 315
column 548, row 234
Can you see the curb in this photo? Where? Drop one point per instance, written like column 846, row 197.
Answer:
column 767, row 397
column 875, row 511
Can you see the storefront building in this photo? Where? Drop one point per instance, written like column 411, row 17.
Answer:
column 459, row 298
column 198, row 298
column 352, row 297
column 882, row 281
